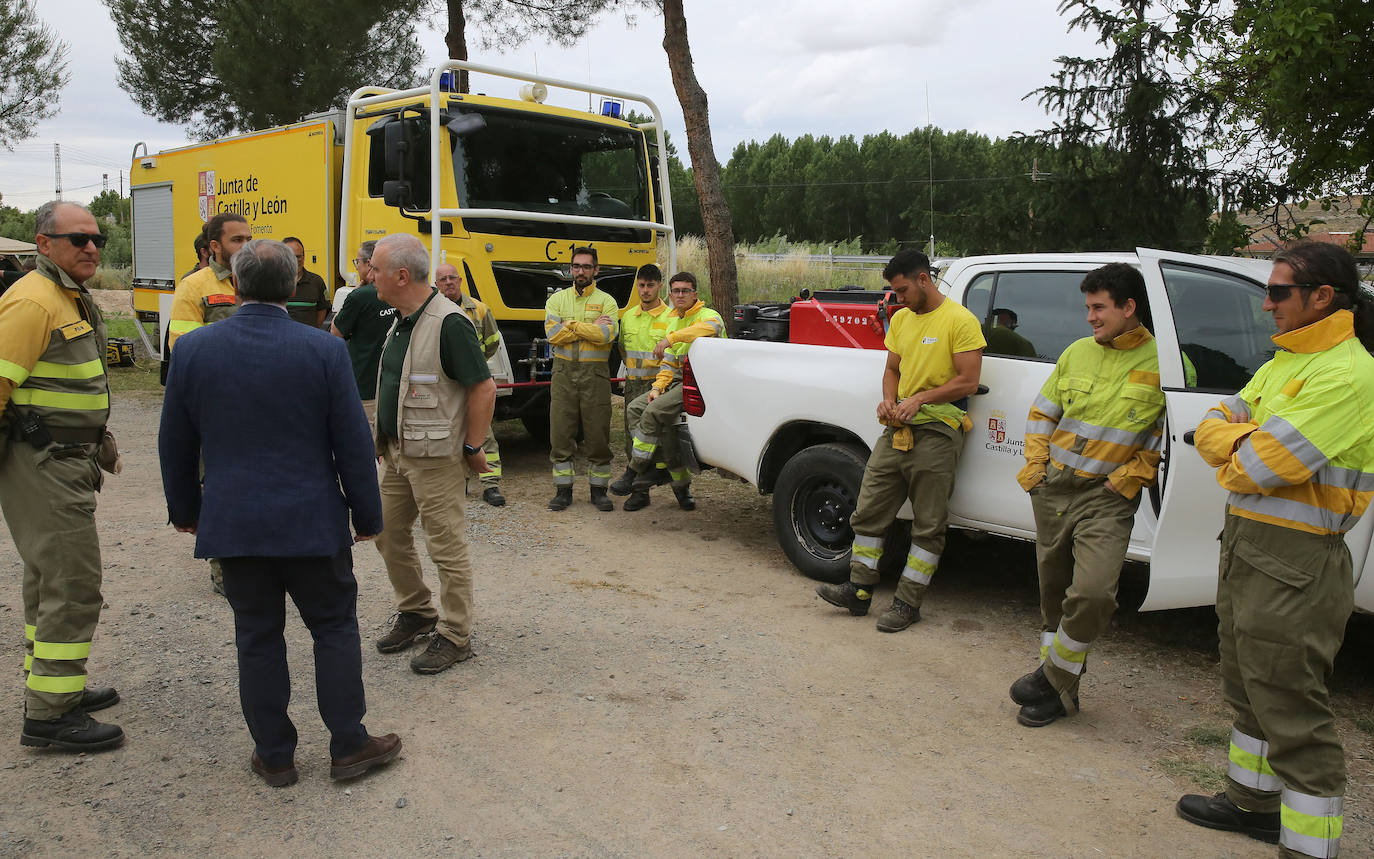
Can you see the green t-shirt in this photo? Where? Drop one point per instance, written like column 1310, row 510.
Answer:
column 459, row 354
column 308, row 299
column 363, row 321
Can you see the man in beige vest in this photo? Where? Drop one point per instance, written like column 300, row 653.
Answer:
column 434, row 405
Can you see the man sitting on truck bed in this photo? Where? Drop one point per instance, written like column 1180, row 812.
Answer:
column 654, row 415
column 934, row 357
column 1092, row 442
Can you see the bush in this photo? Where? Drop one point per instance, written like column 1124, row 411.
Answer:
column 111, row 278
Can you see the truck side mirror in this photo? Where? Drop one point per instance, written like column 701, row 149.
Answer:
column 466, row 123
column 399, row 169
column 396, row 193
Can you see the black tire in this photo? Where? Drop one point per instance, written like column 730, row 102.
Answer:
column 537, row 426
column 815, row 495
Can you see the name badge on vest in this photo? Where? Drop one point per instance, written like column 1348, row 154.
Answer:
column 421, row 394
column 74, row 330
column 220, row 299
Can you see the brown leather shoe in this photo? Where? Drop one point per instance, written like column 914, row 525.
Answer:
column 274, row 776
column 375, row 752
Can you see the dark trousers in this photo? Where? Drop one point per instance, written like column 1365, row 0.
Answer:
column 325, row 594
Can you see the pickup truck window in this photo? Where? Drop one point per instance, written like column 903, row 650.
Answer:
column 1222, row 327
column 1033, row 315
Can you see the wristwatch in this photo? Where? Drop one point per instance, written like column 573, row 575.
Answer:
column 470, row 450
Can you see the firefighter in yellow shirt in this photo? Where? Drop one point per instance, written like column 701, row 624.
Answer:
column 1295, row 448
column 207, row 295
column 641, row 327
column 581, row 323
column 934, row 357
column 450, row 284
column 1093, row 441
column 54, row 403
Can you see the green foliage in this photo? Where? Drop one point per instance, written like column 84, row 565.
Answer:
column 1210, row 736
column 15, row 224
column 1210, row 777
column 32, row 72
column 1130, row 169
column 110, row 203
column 1225, row 233
column 223, row 67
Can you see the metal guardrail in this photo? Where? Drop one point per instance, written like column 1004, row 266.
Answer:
column 859, row 261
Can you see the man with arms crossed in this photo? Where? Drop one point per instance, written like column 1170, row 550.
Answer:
column 934, row 357
column 1295, row 448
column 1092, row 442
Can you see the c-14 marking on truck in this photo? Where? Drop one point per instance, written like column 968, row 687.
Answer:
column 798, row 421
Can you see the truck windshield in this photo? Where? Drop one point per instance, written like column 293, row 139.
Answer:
column 540, row 163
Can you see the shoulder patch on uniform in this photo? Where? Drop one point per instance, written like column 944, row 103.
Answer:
column 75, row 330
column 219, row 299
column 1144, row 377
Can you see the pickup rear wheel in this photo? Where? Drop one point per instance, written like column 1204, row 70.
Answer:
column 815, row 495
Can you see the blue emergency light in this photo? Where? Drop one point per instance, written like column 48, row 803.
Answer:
column 611, row 107
column 448, row 81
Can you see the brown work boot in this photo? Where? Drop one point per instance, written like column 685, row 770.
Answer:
column 856, row 598
column 439, row 655
column 405, row 628
column 274, row 776
column 375, row 752
column 898, row 617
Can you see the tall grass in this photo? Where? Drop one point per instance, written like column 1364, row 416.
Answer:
column 111, row 278
column 774, row 280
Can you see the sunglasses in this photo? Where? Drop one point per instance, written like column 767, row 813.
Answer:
column 79, row 240
column 1280, row 291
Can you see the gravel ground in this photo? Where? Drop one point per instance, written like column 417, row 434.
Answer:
column 658, row 682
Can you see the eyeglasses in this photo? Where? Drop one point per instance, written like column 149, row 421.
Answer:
column 79, row 240
column 577, row 266
column 682, row 292
column 360, row 261
column 1280, row 291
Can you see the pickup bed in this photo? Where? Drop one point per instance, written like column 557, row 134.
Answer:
column 799, row 421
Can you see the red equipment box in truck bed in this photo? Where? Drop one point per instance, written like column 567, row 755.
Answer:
column 851, row 318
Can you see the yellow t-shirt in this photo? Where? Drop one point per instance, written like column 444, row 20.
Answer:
column 927, row 343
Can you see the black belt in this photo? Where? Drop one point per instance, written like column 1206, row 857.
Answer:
column 65, row 435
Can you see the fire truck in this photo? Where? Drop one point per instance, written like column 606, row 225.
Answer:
column 501, row 187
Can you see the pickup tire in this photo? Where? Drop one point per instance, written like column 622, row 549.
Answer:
column 815, row 494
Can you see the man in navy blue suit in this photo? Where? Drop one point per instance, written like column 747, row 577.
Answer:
column 273, row 409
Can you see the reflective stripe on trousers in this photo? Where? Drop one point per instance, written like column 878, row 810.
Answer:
column 1311, row 824
column 1249, row 765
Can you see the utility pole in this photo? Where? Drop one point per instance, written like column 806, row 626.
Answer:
column 57, row 167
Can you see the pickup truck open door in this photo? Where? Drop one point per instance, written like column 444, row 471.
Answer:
column 1216, row 318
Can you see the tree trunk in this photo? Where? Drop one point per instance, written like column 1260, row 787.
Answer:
column 715, row 213
column 457, row 39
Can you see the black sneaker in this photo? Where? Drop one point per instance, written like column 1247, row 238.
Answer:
column 1033, row 688
column 439, row 655
column 898, row 617
column 847, row 595
column 1219, row 812
column 73, row 731
column 405, row 628
column 493, row 496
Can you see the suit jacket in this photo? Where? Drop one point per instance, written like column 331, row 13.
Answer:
column 271, row 407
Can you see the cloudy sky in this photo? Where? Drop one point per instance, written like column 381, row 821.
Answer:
column 769, row 66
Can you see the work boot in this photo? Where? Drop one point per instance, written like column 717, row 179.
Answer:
column 621, row 485
column 73, row 731
column 562, row 499
column 898, row 616
column 662, row 477
column 1041, row 714
column 375, row 752
column 440, row 654
column 98, row 698
column 405, row 628
column 638, row 500
column 274, row 776
column 1219, row 812
column 1033, row 688
column 601, row 501
column 493, row 496
column 684, row 497
column 856, row 598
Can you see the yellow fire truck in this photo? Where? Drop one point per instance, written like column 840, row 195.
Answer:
column 513, row 183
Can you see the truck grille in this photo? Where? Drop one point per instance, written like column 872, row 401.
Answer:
column 529, row 285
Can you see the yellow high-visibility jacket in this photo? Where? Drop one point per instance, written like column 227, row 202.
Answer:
column 203, row 296
column 1101, row 413
column 487, row 332
column 1302, row 456
column 571, row 327
column 640, row 331
column 683, row 328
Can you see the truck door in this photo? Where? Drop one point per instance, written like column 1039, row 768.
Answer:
column 1210, row 311
column 1030, row 314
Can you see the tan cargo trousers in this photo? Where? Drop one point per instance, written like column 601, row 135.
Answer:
column 580, row 395
column 1082, row 530
column 48, row 498
column 1283, row 599
column 924, row 476
column 432, row 489
column 653, row 434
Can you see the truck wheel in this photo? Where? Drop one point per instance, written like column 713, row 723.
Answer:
column 813, row 499
column 537, row 426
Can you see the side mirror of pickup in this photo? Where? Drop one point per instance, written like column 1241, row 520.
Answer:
column 399, row 156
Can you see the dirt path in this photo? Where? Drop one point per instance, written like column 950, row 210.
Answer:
column 650, row 683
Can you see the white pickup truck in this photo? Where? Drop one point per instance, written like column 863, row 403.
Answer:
column 799, row 421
